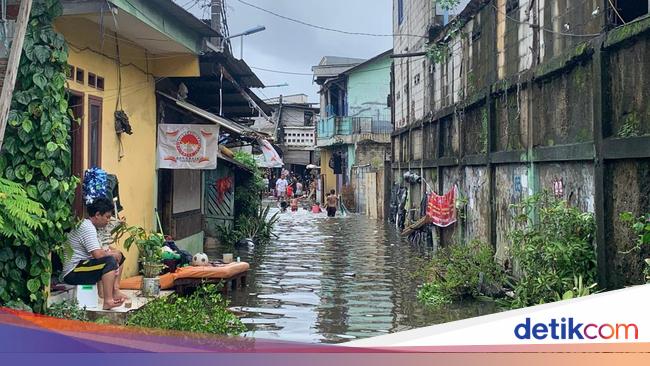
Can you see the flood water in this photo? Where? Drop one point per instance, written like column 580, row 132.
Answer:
column 332, row 280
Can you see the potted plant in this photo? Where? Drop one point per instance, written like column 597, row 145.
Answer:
column 228, row 236
column 150, row 248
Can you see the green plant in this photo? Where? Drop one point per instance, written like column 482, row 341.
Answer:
column 67, row 310
column 631, row 126
column 258, row 227
column 438, row 52
column 462, row 270
column 228, row 236
column 36, row 155
column 552, row 244
column 579, row 290
column 204, row 311
column 432, row 294
column 641, row 227
column 149, row 247
column 103, row 320
column 18, row 305
column 248, row 195
column 20, row 216
column 446, row 4
column 265, row 230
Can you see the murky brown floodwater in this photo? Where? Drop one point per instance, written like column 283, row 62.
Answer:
column 331, row 280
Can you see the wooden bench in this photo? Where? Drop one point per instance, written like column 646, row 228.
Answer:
column 185, row 286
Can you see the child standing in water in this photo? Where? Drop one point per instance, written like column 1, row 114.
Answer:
column 294, row 204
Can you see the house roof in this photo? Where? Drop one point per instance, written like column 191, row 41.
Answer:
column 223, row 122
column 337, row 60
column 239, row 69
column 332, row 66
column 186, row 18
column 234, row 163
column 379, row 56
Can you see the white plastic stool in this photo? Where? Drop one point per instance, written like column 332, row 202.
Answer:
column 87, row 296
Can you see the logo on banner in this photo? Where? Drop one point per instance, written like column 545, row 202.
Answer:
column 189, row 144
column 569, row 328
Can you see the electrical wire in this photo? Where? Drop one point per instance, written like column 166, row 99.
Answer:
column 616, row 11
column 544, row 28
column 327, row 28
column 311, row 74
column 282, row 72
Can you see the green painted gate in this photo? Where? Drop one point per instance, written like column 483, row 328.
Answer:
column 219, row 198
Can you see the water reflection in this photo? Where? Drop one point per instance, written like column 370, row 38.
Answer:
column 329, row 280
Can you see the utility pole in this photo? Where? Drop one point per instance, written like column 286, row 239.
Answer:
column 12, row 65
column 279, row 138
column 216, row 21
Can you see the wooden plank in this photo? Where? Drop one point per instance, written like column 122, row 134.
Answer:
column 12, row 65
column 626, row 148
column 574, row 152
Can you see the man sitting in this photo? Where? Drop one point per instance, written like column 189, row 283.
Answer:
column 90, row 263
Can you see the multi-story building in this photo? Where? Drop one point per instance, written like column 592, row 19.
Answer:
column 353, row 132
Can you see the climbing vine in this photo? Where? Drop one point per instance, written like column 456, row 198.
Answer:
column 446, row 4
column 36, row 155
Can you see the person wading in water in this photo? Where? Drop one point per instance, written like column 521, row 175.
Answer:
column 332, row 203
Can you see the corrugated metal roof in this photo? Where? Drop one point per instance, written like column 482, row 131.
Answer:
column 331, row 66
column 223, row 122
column 338, row 60
column 186, row 17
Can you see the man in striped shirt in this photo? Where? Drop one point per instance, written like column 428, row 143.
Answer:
column 90, row 263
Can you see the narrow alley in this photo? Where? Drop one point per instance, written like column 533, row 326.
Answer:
column 310, row 285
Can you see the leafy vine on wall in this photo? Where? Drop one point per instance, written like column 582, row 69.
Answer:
column 36, row 155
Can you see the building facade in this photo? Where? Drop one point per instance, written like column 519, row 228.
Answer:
column 353, row 132
column 115, row 62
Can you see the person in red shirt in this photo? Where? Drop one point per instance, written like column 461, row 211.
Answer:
column 289, row 191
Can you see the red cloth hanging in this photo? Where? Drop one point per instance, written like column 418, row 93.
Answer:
column 442, row 209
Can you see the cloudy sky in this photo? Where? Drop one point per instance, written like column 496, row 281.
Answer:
column 287, row 46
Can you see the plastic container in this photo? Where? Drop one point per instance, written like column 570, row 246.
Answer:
column 87, row 296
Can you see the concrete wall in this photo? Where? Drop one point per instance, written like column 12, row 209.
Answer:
column 543, row 112
column 411, row 74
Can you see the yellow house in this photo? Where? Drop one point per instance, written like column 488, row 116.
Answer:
column 118, row 51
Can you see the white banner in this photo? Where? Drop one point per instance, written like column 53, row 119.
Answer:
column 270, row 157
column 187, row 146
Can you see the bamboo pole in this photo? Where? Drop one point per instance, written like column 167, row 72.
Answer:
column 12, row 65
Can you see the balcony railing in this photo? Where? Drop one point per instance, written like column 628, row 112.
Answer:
column 332, row 126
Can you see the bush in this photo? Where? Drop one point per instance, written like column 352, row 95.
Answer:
column 204, row 311
column 248, row 195
column 553, row 252
column 462, row 270
column 259, row 228
column 67, row 310
column 641, row 227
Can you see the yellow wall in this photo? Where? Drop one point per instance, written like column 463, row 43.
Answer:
column 327, row 172
column 136, row 170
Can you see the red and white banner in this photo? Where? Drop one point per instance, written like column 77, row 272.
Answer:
column 442, row 209
column 187, row 146
column 270, row 158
